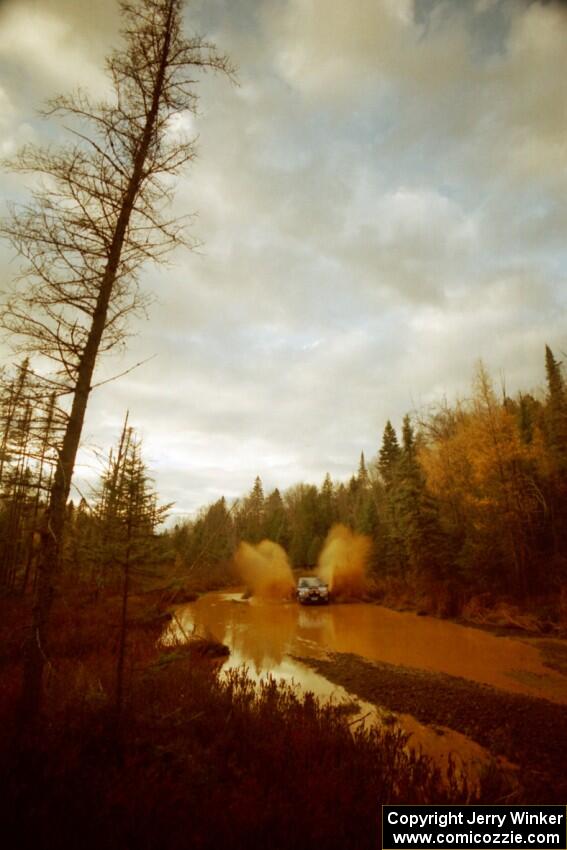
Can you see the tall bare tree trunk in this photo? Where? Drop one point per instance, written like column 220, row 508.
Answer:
column 123, row 628
column 35, row 655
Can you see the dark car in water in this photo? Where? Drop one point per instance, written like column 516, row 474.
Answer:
column 312, row 590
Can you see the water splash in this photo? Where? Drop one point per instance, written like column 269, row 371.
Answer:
column 343, row 561
column 265, row 569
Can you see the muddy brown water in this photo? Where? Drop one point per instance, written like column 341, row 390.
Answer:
column 264, row 636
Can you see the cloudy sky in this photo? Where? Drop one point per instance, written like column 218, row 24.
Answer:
column 381, row 202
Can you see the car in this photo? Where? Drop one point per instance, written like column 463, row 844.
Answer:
column 312, row 590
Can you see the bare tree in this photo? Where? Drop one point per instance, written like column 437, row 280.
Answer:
column 29, row 425
column 100, row 212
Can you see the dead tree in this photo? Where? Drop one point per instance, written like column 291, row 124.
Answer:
column 44, row 459
column 99, row 215
column 29, row 420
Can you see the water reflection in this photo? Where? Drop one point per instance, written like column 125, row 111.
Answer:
column 264, row 635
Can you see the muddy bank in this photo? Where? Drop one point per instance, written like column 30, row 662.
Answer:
column 528, row 731
column 554, row 654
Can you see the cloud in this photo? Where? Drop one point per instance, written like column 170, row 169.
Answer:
column 59, row 48
column 325, row 46
column 380, row 203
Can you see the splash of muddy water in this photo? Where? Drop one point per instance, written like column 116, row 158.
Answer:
column 343, row 561
column 265, row 570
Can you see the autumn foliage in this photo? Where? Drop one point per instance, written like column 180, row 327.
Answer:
column 467, row 500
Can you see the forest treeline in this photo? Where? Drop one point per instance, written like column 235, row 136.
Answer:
column 111, row 533
column 468, row 498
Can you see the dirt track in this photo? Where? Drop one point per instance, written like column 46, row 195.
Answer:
column 528, row 731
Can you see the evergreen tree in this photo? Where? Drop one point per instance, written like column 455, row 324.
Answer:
column 389, row 545
column 363, row 507
column 343, row 507
column 128, row 515
column 327, row 504
column 306, row 528
column 211, row 540
column 362, row 476
column 528, row 413
column 257, row 497
column 251, row 514
column 408, row 453
column 417, row 512
column 556, row 410
column 125, row 509
column 353, row 490
column 389, row 455
column 366, row 514
column 276, row 524
column 219, row 530
column 555, row 429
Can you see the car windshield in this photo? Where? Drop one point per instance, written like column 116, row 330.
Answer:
column 310, row 581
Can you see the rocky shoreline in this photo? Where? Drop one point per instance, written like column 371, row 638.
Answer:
column 528, row 731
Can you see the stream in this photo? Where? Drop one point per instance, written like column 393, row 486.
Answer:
column 268, row 637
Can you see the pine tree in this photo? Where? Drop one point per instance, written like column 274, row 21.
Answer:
column 342, row 505
column 366, row 513
column 212, row 539
column 276, row 524
column 251, row 514
column 408, row 452
column 257, row 497
column 556, row 410
column 528, row 413
column 362, row 476
column 128, row 516
column 417, row 512
column 390, row 549
column 327, row 503
column 389, row 455
column 305, row 523
column 363, row 511
column 555, row 429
